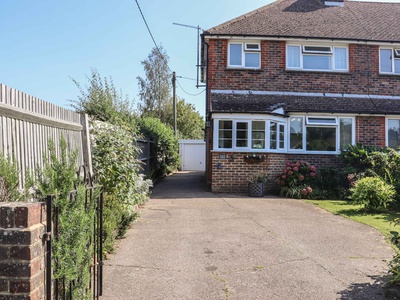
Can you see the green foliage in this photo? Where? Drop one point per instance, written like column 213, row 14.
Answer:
column 116, row 165
column 71, row 256
column 336, row 182
column 101, row 100
column 357, row 155
column 156, row 100
column 165, row 148
column 259, row 177
column 9, row 181
column 373, row 193
column 71, row 253
column 58, row 176
column 394, row 264
column 155, row 88
column 297, row 180
column 190, row 123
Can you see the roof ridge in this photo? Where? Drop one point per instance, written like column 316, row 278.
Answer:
column 246, row 15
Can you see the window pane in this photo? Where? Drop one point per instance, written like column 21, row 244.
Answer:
column 281, row 136
column 346, row 129
column 386, row 60
column 235, row 54
column 320, row 139
column 321, row 121
column 252, row 60
column 316, row 62
column 225, row 134
column 296, row 133
column 397, row 66
column 393, row 133
column 293, row 56
column 340, row 59
column 241, row 134
column 258, row 135
column 317, row 49
column 273, row 135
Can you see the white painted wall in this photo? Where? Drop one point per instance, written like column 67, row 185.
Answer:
column 193, row 155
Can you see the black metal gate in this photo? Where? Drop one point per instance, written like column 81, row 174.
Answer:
column 61, row 288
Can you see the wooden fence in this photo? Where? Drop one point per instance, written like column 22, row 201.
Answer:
column 27, row 123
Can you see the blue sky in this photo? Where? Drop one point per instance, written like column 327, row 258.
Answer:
column 45, row 43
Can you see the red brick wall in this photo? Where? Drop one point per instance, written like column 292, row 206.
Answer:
column 371, row 131
column 22, row 251
column 363, row 77
column 235, row 170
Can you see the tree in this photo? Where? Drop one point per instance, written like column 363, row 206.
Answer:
column 101, row 100
column 189, row 122
column 155, row 88
column 156, row 100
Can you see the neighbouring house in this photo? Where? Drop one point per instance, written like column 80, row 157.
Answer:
column 297, row 80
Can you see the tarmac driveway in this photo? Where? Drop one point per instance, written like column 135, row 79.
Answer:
column 192, row 244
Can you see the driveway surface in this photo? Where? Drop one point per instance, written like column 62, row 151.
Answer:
column 193, row 244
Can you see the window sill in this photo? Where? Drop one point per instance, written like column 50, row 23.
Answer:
column 243, row 69
column 317, row 71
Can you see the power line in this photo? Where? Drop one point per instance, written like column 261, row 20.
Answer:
column 151, row 35
column 187, row 92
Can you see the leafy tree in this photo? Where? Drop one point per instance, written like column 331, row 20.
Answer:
column 190, row 123
column 155, row 88
column 156, row 100
column 101, row 100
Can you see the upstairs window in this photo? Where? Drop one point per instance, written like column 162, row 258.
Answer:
column 317, row 58
column 389, row 61
column 244, row 55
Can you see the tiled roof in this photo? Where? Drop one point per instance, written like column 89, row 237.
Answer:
column 255, row 103
column 355, row 20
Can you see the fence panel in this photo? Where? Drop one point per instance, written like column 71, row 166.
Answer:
column 144, row 156
column 27, row 123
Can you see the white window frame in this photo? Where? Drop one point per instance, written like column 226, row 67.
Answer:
column 395, row 56
column 326, row 125
column 387, row 128
column 304, row 52
column 247, row 119
column 245, row 50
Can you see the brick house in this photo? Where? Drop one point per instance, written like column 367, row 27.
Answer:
column 297, row 80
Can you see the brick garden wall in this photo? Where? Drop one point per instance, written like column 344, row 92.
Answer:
column 230, row 170
column 22, row 251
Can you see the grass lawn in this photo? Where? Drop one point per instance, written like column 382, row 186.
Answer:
column 380, row 221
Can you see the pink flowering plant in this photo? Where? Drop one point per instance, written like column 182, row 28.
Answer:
column 297, row 179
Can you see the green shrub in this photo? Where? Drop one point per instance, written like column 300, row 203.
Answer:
column 297, row 180
column 373, row 193
column 164, row 151
column 357, row 156
column 9, row 181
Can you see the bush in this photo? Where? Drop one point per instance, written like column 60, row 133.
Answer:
column 297, row 180
column 165, row 148
column 373, row 193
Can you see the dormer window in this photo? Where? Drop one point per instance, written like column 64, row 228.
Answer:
column 244, row 55
column 317, row 58
column 389, row 61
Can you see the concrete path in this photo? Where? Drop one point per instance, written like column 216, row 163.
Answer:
column 192, row 244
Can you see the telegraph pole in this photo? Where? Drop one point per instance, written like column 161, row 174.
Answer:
column 174, row 99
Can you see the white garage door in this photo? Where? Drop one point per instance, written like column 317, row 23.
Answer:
column 193, row 155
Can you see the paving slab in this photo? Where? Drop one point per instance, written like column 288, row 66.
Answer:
column 192, row 244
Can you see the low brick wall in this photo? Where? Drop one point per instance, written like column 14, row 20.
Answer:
column 230, row 170
column 22, row 250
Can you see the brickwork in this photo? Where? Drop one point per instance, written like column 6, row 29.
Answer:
column 22, row 250
column 363, row 77
column 371, row 131
column 230, row 170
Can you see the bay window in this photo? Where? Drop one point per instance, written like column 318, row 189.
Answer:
column 317, row 58
column 251, row 135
